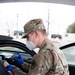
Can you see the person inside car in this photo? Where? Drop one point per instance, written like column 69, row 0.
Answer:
column 50, row 60
column 3, row 70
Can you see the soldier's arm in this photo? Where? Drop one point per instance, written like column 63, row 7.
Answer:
column 26, row 66
column 17, row 71
column 42, row 62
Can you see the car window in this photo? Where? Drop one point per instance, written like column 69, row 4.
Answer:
column 70, row 54
column 9, row 52
column 8, row 48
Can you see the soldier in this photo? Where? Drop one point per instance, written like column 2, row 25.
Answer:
column 50, row 60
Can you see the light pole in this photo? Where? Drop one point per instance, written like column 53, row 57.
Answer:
column 48, row 21
column 17, row 26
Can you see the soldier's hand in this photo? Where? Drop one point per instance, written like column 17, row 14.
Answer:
column 10, row 67
column 19, row 59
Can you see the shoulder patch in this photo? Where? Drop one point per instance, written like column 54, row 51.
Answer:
column 33, row 64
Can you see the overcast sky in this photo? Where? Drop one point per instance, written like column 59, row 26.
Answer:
column 60, row 16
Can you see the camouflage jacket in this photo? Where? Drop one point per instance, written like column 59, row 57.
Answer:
column 49, row 61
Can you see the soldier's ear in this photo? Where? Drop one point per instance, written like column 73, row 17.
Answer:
column 37, row 33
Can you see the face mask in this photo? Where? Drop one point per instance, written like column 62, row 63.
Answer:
column 30, row 45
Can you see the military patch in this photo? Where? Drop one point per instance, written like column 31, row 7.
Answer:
column 33, row 64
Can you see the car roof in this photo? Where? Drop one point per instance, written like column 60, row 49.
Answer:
column 67, row 45
column 69, row 2
column 4, row 37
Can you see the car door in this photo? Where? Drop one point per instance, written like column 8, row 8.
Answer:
column 69, row 52
column 8, row 49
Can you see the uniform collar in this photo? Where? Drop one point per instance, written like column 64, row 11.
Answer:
column 44, row 43
column 47, row 44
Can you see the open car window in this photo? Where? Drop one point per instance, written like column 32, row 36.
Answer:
column 8, row 52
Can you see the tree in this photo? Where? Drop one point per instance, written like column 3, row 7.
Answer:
column 71, row 28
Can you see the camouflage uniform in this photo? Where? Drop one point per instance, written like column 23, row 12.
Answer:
column 49, row 61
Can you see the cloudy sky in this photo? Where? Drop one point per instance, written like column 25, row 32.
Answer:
column 17, row 14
